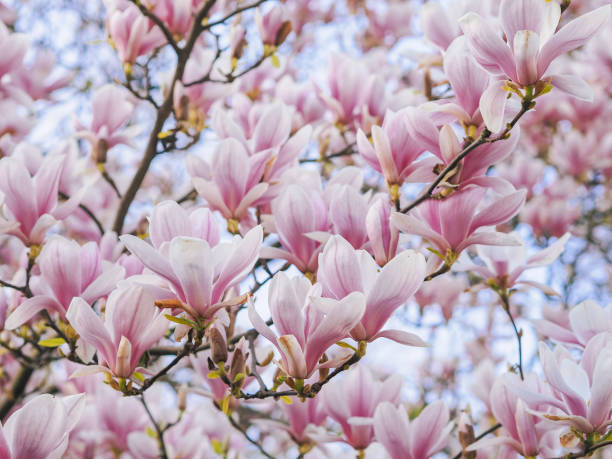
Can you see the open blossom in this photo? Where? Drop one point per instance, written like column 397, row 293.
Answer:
column 111, row 109
column 420, row 438
column 577, row 327
column 131, row 325
column 344, row 270
column 67, row 270
column 504, row 265
column 353, row 399
column 395, row 151
column 197, row 273
column 307, row 323
column 40, row 428
column 453, row 224
column 133, row 34
column 31, row 199
column 234, row 182
column 531, row 47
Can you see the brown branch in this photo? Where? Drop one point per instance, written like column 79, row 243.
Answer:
column 158, row 22
column 485, row 137
column 519, row 333
column 14, row 394
column 163, row 113
column 88, row 211
column 163, row 454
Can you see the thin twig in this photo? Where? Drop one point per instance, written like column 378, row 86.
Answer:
column 251, row 338
column 482, row 435
column 163, row 454
column 243, row 431
column 519, row 333
column 158, row 22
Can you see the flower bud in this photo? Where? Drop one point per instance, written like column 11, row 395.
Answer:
column 124, row 355
column 218, row 347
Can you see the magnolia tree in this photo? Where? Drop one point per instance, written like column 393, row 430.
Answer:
column 305, row 228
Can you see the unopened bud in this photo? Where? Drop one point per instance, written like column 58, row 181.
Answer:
column 182, row 397
column 182, row 111
column 237, row 366
column 283, row 31
column 99, row 151
column 466, row 435
column 124, row 355
column 218, row 347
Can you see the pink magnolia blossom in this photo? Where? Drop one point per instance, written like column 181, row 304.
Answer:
column 177, row 15
column 344, row 270
column 531, row 46
column 578, row 326
column 15, row 45
column 40, row 428
column 445, row 291
column 196, row 273
column 67, row 270
column 38, row 80
column 31, row 199
column 234, row 182
column 453, row 224
column 420, row 438
column 169, row 219
column 382, row 235
column 307, row 323
column 133, row 34
column 304, row 418
column 131, row 325
column 352, row 400
column 111, row 109
column 505, row 265
column 522, row 430
column 269, row 24
column 395, row 151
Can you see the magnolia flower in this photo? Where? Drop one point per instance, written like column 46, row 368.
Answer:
column 504, row 265
column 382, row 235
column 352, row 401
column 40, row 428
column 272, row 26
column 531, row 46
column 15, row 46
column 420, row 438
column 111, row 109
column 453, row 224
column 307, row 323
column 395, row 151
column 131, row 326
column 133, row 34
column 31, row 199
column 234, row 181
column 196, row 273
column 67, row 270
column 577, row 327
column 344, row 270
column 168, row 220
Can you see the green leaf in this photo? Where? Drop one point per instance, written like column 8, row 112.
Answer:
column 181, row 320
column 286, row 399
column 214, row 374
column 52, row 342
column 346, row 345
column 138, row 376
column 275, row 61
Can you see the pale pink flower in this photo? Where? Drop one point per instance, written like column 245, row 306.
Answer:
column 133, row 34
column 421, row 438
column 308, row 325
column 297, row 212
column 445, row 291
column 196, row 273
column 453, row 224
column 131, row 326
column 577, row 326
column 505, row 265
column 352, row 400
column 524, row 172
column 111, row 109
column 303, row 419
column 31, row 199
column 344, row 270
column 177, row 15
column 382, row 235
column 395, row 151
column 67, row 270
column 15, row 46
column 234, row 180
column 531, row 46
column 269, row 24
column 38, row 80
column 168, row 220
column 40, row 428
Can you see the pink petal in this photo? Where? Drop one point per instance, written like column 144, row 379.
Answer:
column 293, row 356
column 402, row 337
column 29, row 308
column 168, row 220
column 492, row 105
column 339, row 271
column 573, row 85
column 489, row 49
column 87, row 324
column 499, row 211
column 411, row 225
column 286, row 299
column 427, row 432
column 526, row 49
column 150, row 257
column 576, row 33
